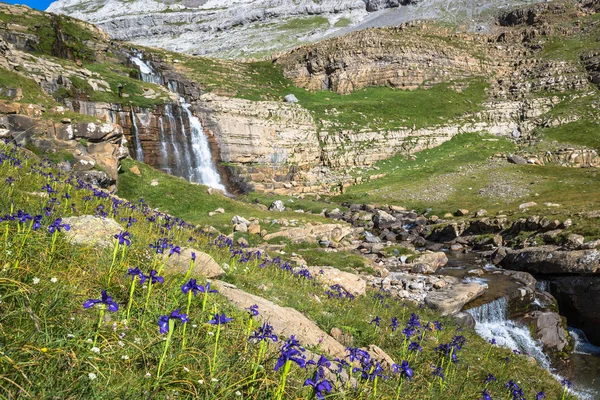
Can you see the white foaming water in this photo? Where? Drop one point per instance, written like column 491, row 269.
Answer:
column 139, row 152
column 492, row 323
column 582, row 344
column 146, row 71
column 204, row 171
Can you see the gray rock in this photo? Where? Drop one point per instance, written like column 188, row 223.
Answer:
column 89, row 230
column 277, row 205
column 352, row 283
column 290, row 98
column 515, row 159
column 549, row 260
column 239, row 220
column 450, row 300
column 204, row 265
column 548, row 328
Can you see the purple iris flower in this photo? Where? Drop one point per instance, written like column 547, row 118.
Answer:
column 540, row 396
column 253, row 309
column 154, row 278
column 193, row 286
column 57, row 225
column 376, row 321
column 438, row 371
column 123, row 238
column 220, row 319
column 485, row 395
column 108, row 301
column 320, row 386
column 193, row 256
column 566, row 383
column 133, row 272
column 404, row 369
column 175, row 249
column 291, row 351
column 490, row 378
column 414, row 346
column 264, row 332
column 394, row 324
column 163, row 320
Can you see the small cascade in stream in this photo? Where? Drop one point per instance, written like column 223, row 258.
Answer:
column 183, row 148
column 139, row 152
column 492, row 323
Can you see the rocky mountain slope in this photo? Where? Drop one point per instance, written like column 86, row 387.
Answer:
column 239, row 28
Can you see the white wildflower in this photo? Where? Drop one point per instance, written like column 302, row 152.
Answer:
column 35, row 280
column 125, row 357
column 186, row 369
column 92, row 376
column 200, row 381
column 121, row 343
column 214, row 380
column 54, row 280
column 238, row 393
column 70, row 335
column 148, row 375
column 95, row 350
column 137, row 340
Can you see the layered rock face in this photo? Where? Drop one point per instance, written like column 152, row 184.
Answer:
column 235, row 28
column 391, row 57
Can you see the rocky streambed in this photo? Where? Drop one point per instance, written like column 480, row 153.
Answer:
column 539, row 300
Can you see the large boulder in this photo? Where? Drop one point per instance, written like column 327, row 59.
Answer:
column 286, row 321
column 204, row 265
column 450, row 300
column 89, row 230
column 383, row 220
column 352, row 283
column 547, row 326
column 429, row 263
column 577, row 298
column 550, row 260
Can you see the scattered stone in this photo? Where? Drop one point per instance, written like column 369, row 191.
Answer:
column 290, row 98
column 525, row 206
column 254, row 229
column 89, row 230
column 465, row 320
column 312, row 233
column 204, row 265
column 237, row 220
column 135, row 170
column 154, row 182
column 574, row 240
column 515, row 159
column 277, row 205
column 481, row 213
column 217, row 211
column 461, row 212
column 242, row 228
column 243, row 242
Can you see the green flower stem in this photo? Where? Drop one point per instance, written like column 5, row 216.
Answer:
column 399, row 389
column 114, row 259
column 262, row 350
column 167, row 343
column 187, row 312
column 250, row 321
column 281, row 389
column 189, row 271
column 204, row 300
column 100, row 319
column 131, row 290
column 214, row 359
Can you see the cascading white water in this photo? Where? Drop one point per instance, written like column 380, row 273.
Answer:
column 204, row 171
column 191, row 150
column 492, row 323
column 582, row 344
column 139, row 152
column 146, row 71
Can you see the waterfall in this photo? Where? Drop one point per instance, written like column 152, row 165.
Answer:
column 182, row 153
column 204, row 171
column 492, row 323
column 582, row 344
column 146, row 71
column 135, row 132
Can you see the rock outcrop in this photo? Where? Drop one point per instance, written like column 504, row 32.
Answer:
column 92, row 231
column 550, row 260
